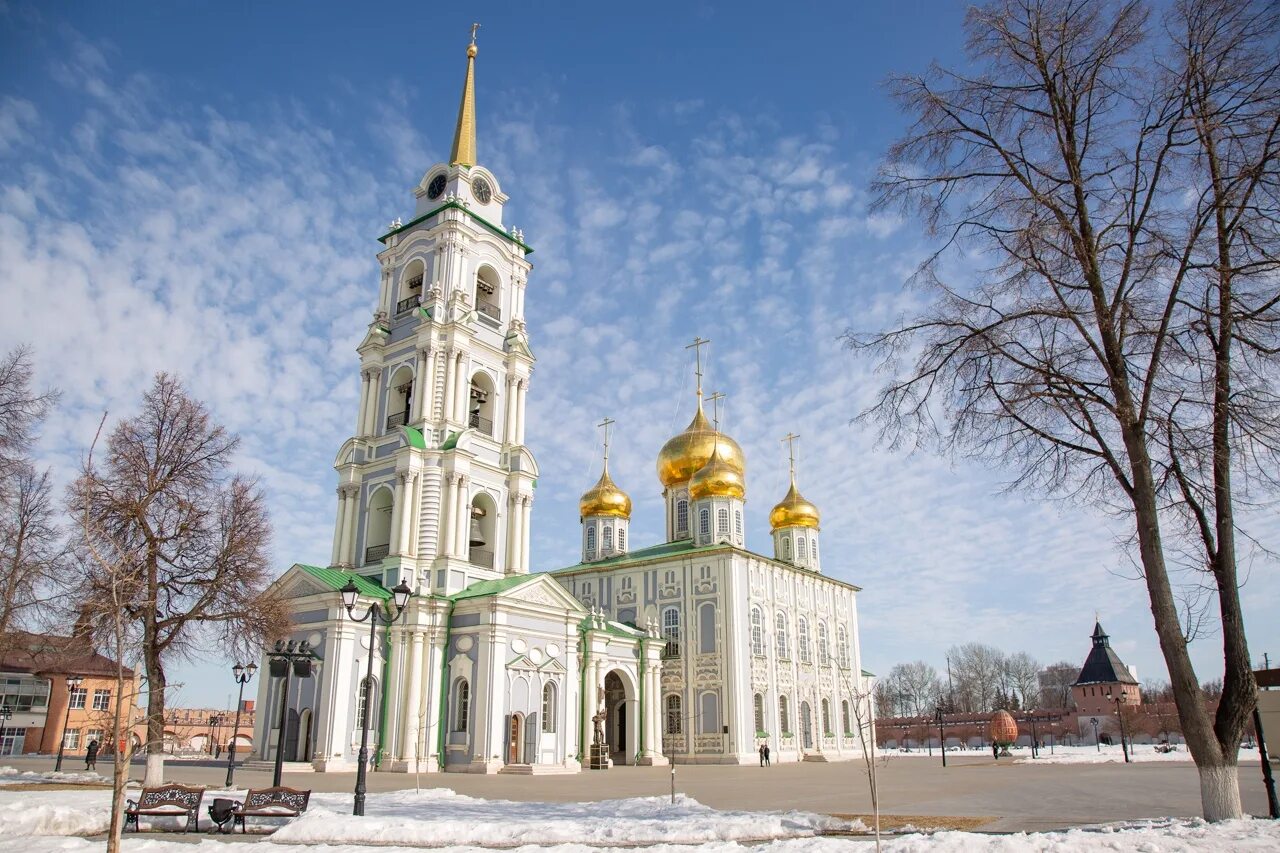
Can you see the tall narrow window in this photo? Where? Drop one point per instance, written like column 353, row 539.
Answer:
column 826, row 717
column 813, row 549
column 707, row 628
column 548, row 707
column 842, row 648
column 591, row 541
column 802, row 640
column 675, row 716
column 786, row 547
column 758, row 704
column 671, row 632
column 364, row 697
column 607, row 539
column 722, row 522
column 800, row 549
column 824, row 654
column 844, row 716
column 682, row 515
column 704, row 522
column 757, row 632
column 780, row 629
column 462, row 707
column 737, row 524
column 784, row 716
column 622, row 538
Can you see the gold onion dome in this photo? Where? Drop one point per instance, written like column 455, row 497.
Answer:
column 794, row 511
column 717, row 479
column 685, row 454
column 605, row 498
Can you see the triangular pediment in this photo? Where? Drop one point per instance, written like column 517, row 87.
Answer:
column 296, row 583
column 553, row 665
column 543, row 591
column 521, row 662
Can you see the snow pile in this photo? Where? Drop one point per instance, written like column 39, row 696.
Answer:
column 1113, row 753
column 13, row 776
column 26, row 813
column 440, row 816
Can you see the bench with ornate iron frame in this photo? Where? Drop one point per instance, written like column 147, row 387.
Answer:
column 271, row 802
column 166, row 801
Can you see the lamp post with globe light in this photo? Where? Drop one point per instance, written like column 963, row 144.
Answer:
column 1124, row 746
column 375, row 615
column 73, row 684
column 243, row 675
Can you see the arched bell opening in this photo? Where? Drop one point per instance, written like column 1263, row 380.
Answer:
column 481, row 403
column 377, row 537
column 481, row 541
column 399, row 398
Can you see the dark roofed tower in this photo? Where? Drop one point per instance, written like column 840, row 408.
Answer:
column 1103, row 672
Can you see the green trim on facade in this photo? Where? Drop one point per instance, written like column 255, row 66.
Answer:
column 414, row 437
column 425, row 312
column 482, row 589
column 336, row 579
column 456, row 206
column 451, row 442
column 866, row 674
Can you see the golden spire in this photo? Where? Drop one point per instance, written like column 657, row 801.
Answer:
column 464, row 138
column 793, row 510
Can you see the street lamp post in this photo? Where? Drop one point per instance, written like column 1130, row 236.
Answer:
column 1094, row 720
column 1124, row 746
column 243, row 674
column 942, row 738
column 283, row 657
column 375, row 616
column 73, row 684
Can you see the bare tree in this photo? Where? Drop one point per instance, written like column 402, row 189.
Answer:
column 1022, row 673
column 1122, row 348
column 917, row 687
column 193, row 536
column 1055, row 685
column 977, row 670
column 21, row 408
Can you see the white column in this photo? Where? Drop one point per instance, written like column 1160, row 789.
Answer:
column 448, row 509
column 526, row 509
column 462, row 388
column 338, row 524
column 509, row 411
column 429, row 385
column 524, row 385
column 397, row 513
column 414, row 513
column 449, row 379
column 463, row 516
column 411, row 736
column 375, row 397
column 361, row 416
column 419, row 377
column 406, row 513
column 349, row 525
column 513, row 532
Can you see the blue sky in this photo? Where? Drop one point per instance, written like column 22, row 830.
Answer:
column 198, row 188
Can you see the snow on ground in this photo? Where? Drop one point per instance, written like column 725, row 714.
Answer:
column 13, row 776
column 1175, row 836
column 1060, row 754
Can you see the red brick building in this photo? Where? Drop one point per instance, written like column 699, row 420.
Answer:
column 1102, row 680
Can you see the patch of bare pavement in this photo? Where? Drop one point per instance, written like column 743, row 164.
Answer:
column 999, row 797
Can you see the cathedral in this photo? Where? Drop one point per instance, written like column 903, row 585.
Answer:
column 692, row 650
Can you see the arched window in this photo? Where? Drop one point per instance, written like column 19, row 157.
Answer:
column 591, row 541
column 800, row 548
column 549, row 707
column 607, row 539
column 844, row 716
column 826, row 717
column 707, row 628
column 813, row 549
column 784, row 716
column 824, row 654
column 399, row 398
column 682, row 515
column 481, row 403
column 671, row 632
column 622, row 538
column 709, row 713
column 802, row 639
column 842, row 648
column 461, row 705
column 757, row 703
column 722, row 522
column 704, row 522
column 377, row 533
column 363, row 698
column 757, row 632
column 410, row 286
column 786, row 547
column 780, row 629
column 481, row 532
column 737, row 524
column 487, row 287
column 675, row 716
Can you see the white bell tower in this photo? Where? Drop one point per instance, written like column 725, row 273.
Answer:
column 436, row 486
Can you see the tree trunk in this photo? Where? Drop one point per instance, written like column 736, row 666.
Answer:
column 1219, row 790
column 155, row 711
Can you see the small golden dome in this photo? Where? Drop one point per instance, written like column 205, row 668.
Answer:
column 605, row 498
column 794, row 511
column 717, row 479
column 685, row 454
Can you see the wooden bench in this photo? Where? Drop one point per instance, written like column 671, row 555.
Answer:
column 271, row 802
column 166, row 801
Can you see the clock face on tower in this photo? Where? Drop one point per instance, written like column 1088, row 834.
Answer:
column 436, row 188
column 481, row 190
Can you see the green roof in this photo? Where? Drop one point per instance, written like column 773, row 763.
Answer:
column 481, row 589
column 414, row 437
column 653, row 552
column 458, row 206
column 451, row 442
column 866, row 674
column 336, row 579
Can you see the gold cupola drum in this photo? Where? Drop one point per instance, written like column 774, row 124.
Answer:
column 605, row 513
column 794, row 511
column 605, row 498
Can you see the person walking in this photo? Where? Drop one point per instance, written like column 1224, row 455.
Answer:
column 766, row 755
column 762, row 749
column 91, row 756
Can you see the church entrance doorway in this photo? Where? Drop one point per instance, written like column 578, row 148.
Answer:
column 515, row 739
column 304, row 728
column 806, row 726
column 621, row 723
column 291, row 737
